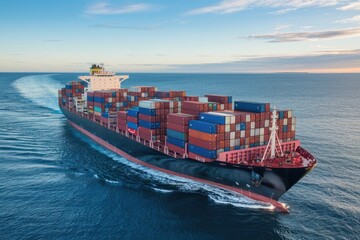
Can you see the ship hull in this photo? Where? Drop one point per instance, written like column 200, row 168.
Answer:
column 273, row 182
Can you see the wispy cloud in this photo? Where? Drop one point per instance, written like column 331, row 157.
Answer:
column 350, row 20
column 114, row 26
column 103, row 8
column 302, row 36
column 231, row 6
column 326, row 61
column 281, row 27
column 283, row 11
column 351, row 6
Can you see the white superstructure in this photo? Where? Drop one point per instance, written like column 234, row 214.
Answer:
column 99, row 79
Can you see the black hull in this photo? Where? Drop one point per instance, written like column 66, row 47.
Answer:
column 274, row 182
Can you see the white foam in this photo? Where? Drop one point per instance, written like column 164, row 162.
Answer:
column 162, row 190
column 215, row 194
column 40, row 89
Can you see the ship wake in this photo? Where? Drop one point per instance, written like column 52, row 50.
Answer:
column 41, row 90
column 164, row 183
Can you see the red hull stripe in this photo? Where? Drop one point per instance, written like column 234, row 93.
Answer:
column 279, row 206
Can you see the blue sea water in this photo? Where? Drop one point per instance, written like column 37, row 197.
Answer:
column 55, row 183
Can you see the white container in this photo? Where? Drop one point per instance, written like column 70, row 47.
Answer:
column 267, row 122
column 147, row 104
column 232, row 143
column 262, row 130
column 293, row 121
column 232, row 135
column 252, row 125
column 203, row 99
column 247, row 118
column 257, row 131
column 261, row 138
column 227, row 128
column 242, row 134
column 237, row 142
column 252, row 133
column 293, row 127
column 285, row 121
column 290, row 114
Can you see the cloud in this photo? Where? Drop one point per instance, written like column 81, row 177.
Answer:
column 326, row 61
column 231, row 6
column 350, row 6
column 112, row 26
column 103, row 8
column 303, row 36
column 283, row 11
column 350, row 20
column 281, row 27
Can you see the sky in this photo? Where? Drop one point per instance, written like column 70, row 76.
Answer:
column 222, row 36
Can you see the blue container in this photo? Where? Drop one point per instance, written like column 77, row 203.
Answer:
column 237, row 147
column 211, row 118
column 176, row 134
column 133, row 113
column 132, row 125
column 249, row 106
column 202, row 151
column 90, row 99
column 281, row 114
column 108, row 105
column 285, row 128
column 150, row 125
column 113, row 94
column 147, row 111
column 242, row 126
column 69, row 94
column 68, row 86
column 105, row 115
column 227, row 149
column 99, row 99
column 202, row 126
column 177, row 142
column 230, row 99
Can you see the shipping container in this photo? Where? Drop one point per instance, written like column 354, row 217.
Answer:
column 203, row 126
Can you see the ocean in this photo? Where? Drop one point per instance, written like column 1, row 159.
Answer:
column 56, row 183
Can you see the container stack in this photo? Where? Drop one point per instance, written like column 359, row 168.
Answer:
column 153, row 118
column 287, row 125
column 132, row 120
column 90, row 104
column 195, row 108
column 203, row 138
column 72, row 90
column 178, row 131
column 106, row 102
column 170, row 95
column 121, row 120
column 139, row 93
column 225, row 101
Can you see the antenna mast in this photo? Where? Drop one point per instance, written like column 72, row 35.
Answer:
column 273, row 139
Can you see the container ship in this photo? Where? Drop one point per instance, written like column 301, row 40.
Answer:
column 244, row 147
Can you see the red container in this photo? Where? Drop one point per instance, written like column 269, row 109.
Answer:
column 202, row 135
column 132, row 119
column 199, row 157
column 177, row 127
column 180, row 118
column 150, row 118
column 191, row 98
column 176, row 149
column 122, row 115
column 210, row 145
column 232, row 128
